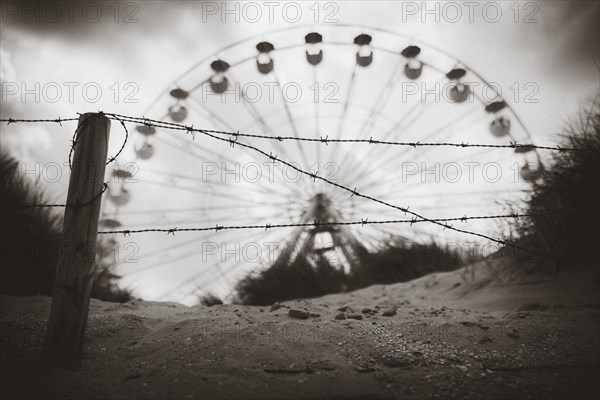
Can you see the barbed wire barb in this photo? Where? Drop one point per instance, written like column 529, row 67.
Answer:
column 170, row 125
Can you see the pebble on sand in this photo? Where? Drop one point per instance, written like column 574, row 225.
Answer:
column 340, row 316
column 390, row 312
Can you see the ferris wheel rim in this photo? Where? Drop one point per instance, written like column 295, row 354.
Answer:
column 343, row 25
column 333, row 43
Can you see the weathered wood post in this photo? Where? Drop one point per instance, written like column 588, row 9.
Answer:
column 75, row 269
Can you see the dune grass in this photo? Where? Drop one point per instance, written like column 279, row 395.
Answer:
column 30, row 241
column 570, row 190
column 395, row 261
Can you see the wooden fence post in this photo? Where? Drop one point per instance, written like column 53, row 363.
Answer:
column 75, row 269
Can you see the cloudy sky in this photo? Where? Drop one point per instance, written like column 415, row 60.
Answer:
column 559, row 52
column 139, row 48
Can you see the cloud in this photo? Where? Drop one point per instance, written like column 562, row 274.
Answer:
column 31, row 142
column 7, row 70
column 577, row 24
column 8, row 73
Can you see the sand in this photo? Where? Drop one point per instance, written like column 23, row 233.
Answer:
column 484, row 331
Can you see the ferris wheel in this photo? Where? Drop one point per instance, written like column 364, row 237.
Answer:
column 316, row 83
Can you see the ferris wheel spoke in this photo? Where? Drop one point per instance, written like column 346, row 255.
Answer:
column 235, row 265
column 235, row 235
column 206, row 113
column 171, row 176
column 408, row 232
column 428, row 207
column 427, row 107
column 280, row 147
column 253, row 112
column 222, row 273
column 414, row 232
column 447, row 189
column 403, row 122
column 163, row 263
column 452, row 136
column 230, row 128
column 205, row 210
column 428, row 136
column 197, row 239
column 431, row 194
column 388, row 85
column 192, row 148
column 372, row 239
column 191, row 280
column 346, row 102
column 291, row 119
column 251, row 108
column 162, row 251
column 213, row 115
column 386, row 135
column 371, row 105
column 409, row 186
column 226, row 272
column 396, row 158
column 262, row 185
column 455, row 124
column 181, row 223
column 473, row 156
column 230, row 267
column 218, row 267
column 221, row 195
column 267, row 129
column 194, row 209
column 317, row 116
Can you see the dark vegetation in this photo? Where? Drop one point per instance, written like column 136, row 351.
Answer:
column 401, row 261
column 30, row 242
column 297, row 280
column 397, row 261
column 570, row 190
column 209, row 300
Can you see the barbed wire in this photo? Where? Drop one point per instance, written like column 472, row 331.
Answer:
column 113, row 158
column 58, row 120
column 324, row 140
column 212, row 133
column 190, row 129
column 512, row 145
column 70, row 157
column 316, row 224
column 76, row 205
column 110, row 159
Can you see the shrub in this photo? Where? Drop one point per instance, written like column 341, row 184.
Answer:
column 570, row 188
column 30, row 242
column 299, row 279
column 30, row 238
column 209, row 300
column 397, row 261
column 402, row 261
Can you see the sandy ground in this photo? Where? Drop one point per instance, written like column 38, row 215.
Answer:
column 482, row 332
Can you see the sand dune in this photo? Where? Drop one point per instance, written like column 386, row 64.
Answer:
column 473, row 333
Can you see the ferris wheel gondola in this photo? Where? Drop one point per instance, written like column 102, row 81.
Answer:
column 368, row 71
